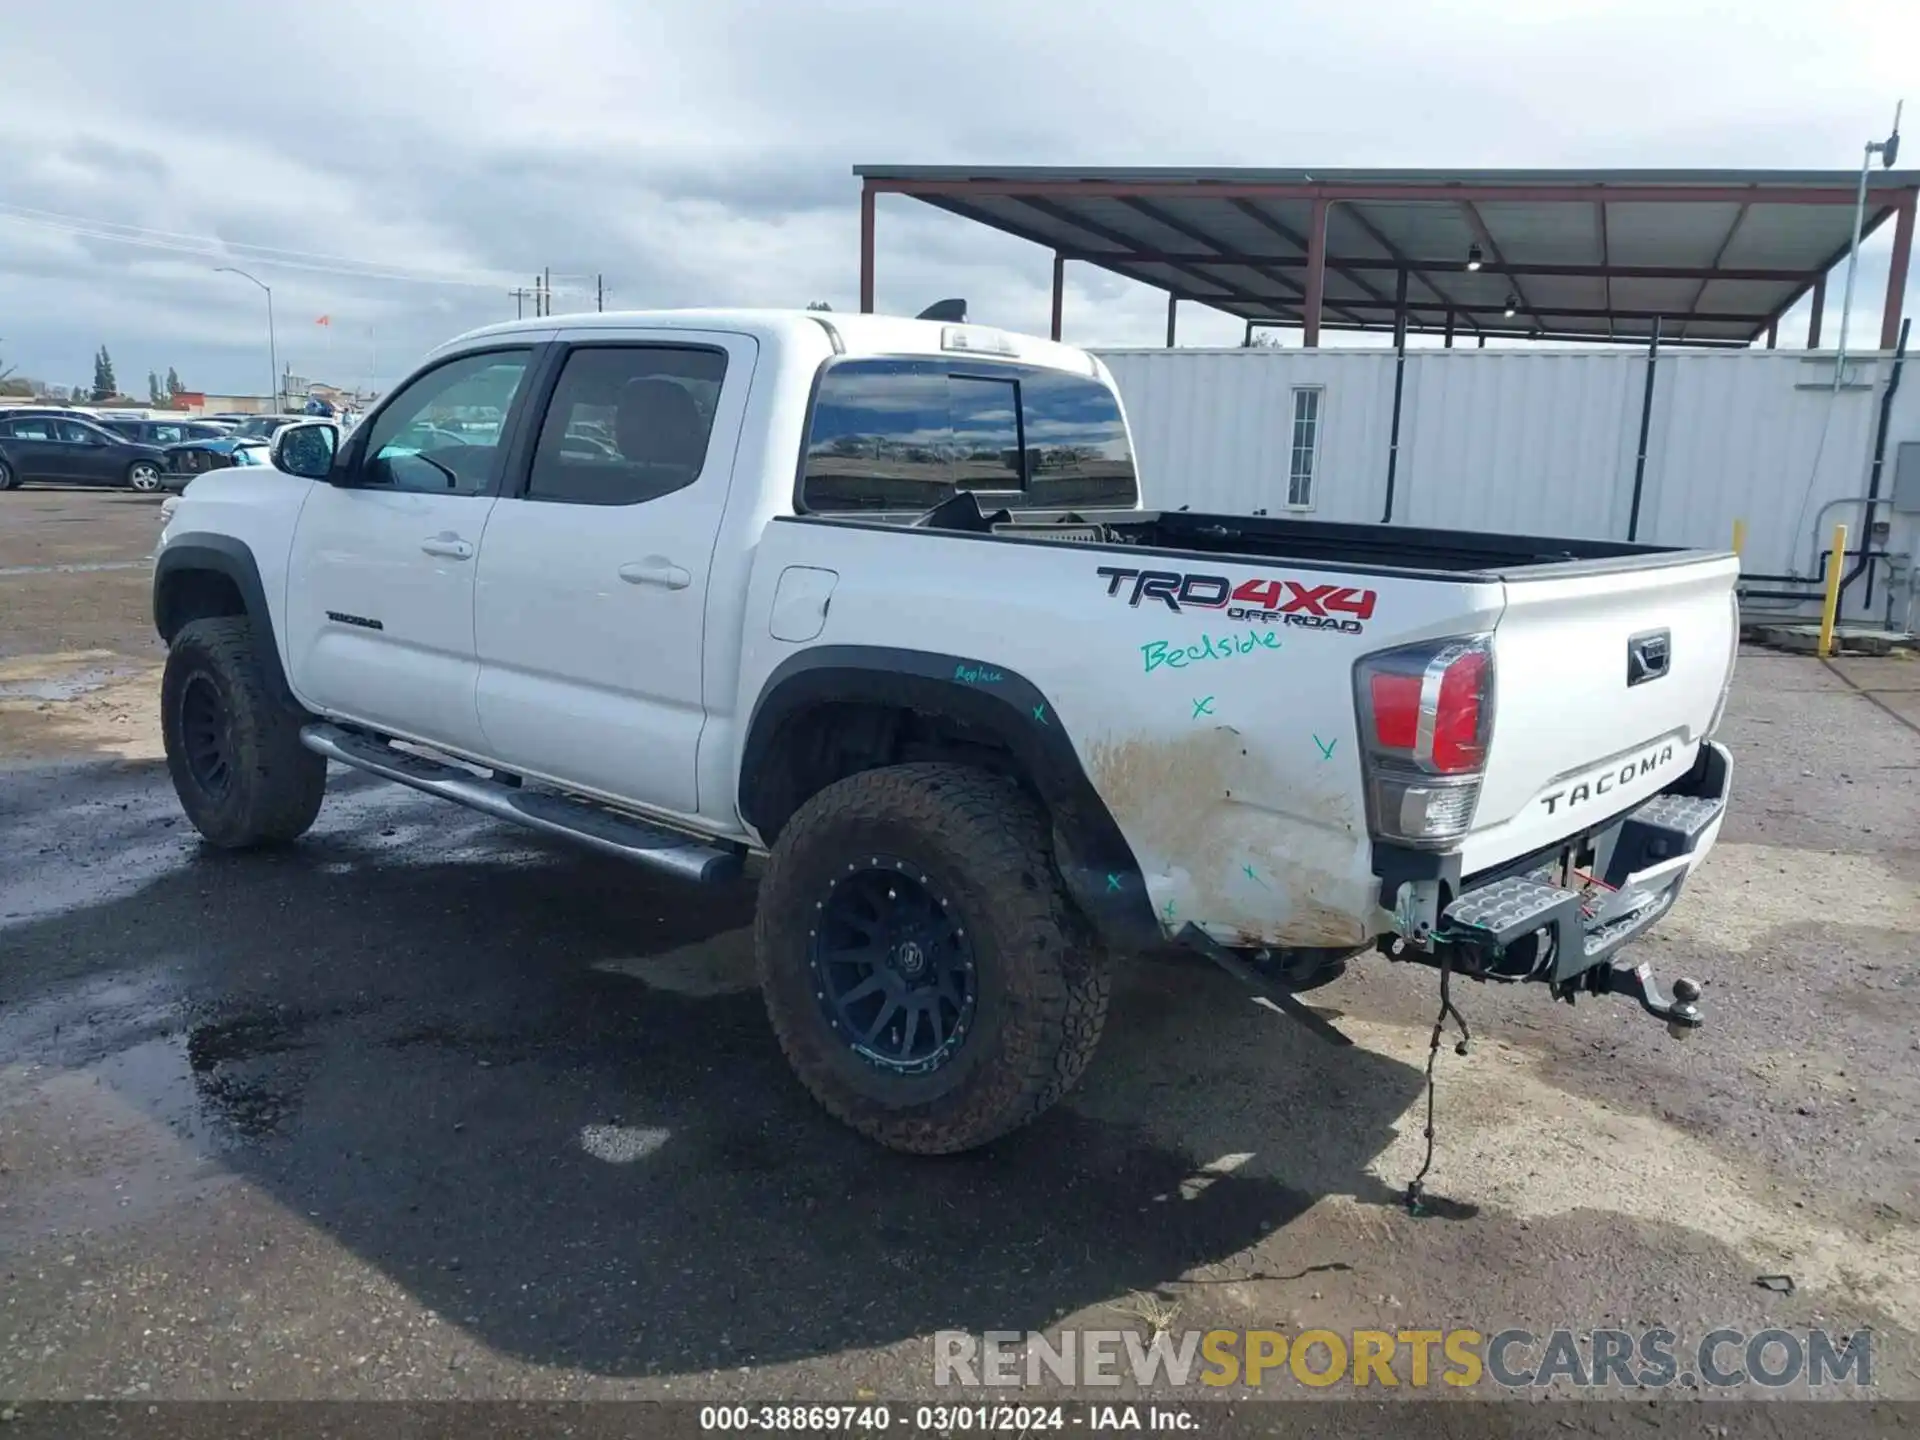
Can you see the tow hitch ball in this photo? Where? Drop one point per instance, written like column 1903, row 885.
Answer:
column 1682, row 1012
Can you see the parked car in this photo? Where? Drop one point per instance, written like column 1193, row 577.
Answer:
column 878, row 599
column 61, row 451
column 163, row 432
column 194, row 458
column 63, row 412
column 245, row 444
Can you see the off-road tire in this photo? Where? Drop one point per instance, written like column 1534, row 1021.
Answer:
column 273, row 784
column 1042, row 975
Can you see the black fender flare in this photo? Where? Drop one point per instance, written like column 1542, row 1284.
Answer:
column 1093, row 856
column 222, row 555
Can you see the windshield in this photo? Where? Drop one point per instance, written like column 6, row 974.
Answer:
column 260, row 427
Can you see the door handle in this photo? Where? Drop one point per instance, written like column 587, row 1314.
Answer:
column 656, row 570
column 450, row 546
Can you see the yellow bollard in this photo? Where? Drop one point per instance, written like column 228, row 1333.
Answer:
column 1829, row 611
column 1739, row 537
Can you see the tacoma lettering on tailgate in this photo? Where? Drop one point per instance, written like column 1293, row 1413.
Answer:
column 1595, row 785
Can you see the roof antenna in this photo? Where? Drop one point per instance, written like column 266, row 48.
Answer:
column 1888, row 150
column 954, row 312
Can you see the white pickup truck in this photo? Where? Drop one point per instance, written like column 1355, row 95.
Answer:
column 876, row 599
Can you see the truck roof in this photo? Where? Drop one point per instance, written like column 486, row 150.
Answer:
column 858, row 334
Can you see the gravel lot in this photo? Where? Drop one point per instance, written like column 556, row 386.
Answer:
column 425, row 1107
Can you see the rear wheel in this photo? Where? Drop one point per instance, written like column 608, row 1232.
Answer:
column 233, row 750
column 928, row 979
column 144, row 476
column 8, row 479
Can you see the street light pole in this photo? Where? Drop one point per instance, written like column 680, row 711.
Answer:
column 273, row 355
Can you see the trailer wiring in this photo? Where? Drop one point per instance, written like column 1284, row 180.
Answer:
column 1417, row 1202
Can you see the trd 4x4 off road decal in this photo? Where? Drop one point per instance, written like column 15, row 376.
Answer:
column 1266, row 602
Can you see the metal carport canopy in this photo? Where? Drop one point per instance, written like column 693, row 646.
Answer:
column 1718, row 256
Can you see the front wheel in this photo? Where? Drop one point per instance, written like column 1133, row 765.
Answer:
column 144, row 476
column 927, row 976
column 233, row 750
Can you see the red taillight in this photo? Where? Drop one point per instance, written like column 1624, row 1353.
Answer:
column 1451, row 682
column 1396, row 710
column 1459, row 743
column 1426, row 715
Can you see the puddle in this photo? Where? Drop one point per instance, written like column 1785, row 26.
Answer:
column 70, row 686
column 215, row 1083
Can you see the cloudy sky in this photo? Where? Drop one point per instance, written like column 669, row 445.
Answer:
column 400, row 167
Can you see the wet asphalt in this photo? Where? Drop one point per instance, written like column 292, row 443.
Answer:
column 424, row 1106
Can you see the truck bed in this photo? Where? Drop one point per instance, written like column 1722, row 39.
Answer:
column 1209, row 683
column 1399, row 547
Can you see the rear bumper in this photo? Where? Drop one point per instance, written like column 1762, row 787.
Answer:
column 1517, row 923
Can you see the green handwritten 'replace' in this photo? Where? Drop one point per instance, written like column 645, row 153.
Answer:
column 1209, row 647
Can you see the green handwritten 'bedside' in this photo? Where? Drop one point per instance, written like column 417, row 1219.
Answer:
column 1158, row 653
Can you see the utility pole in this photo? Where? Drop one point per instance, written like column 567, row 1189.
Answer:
column 1887, row 150
column 546, row 284
column 599, row 292
column 519, row 297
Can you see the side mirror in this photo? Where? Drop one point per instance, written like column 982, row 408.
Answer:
column 305, row 450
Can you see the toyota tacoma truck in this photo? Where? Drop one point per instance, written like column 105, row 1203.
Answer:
column 877, row 601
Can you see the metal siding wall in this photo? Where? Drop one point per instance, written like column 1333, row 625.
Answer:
column 1734, row 437
column 1539, row 442
column 1504, row 441
column 1212, row 428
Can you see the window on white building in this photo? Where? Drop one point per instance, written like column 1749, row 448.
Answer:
column 1305, row 453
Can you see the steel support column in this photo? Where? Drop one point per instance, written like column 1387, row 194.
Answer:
column 1059, row 290
column 1316, row 275
column 866, row 250
column 1173, row 314
column 1646, row 426
column 1813, row 316
column 1449, row 329
column 1400, row 313
column 1773, row 335
column 1897, row 272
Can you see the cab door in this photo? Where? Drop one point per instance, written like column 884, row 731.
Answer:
column 590, row 609
column 380, row 579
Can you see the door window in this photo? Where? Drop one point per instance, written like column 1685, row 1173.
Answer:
column 441, row 433
column 627, row 424
column 74, row 433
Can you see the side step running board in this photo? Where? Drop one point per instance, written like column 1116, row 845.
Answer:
column 624, row 836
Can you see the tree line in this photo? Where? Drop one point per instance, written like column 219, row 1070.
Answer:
column 105, row 385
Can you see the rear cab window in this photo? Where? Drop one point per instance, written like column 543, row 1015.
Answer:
column 905, row 434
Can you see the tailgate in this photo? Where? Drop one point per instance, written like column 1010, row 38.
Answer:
column 1606, row 683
